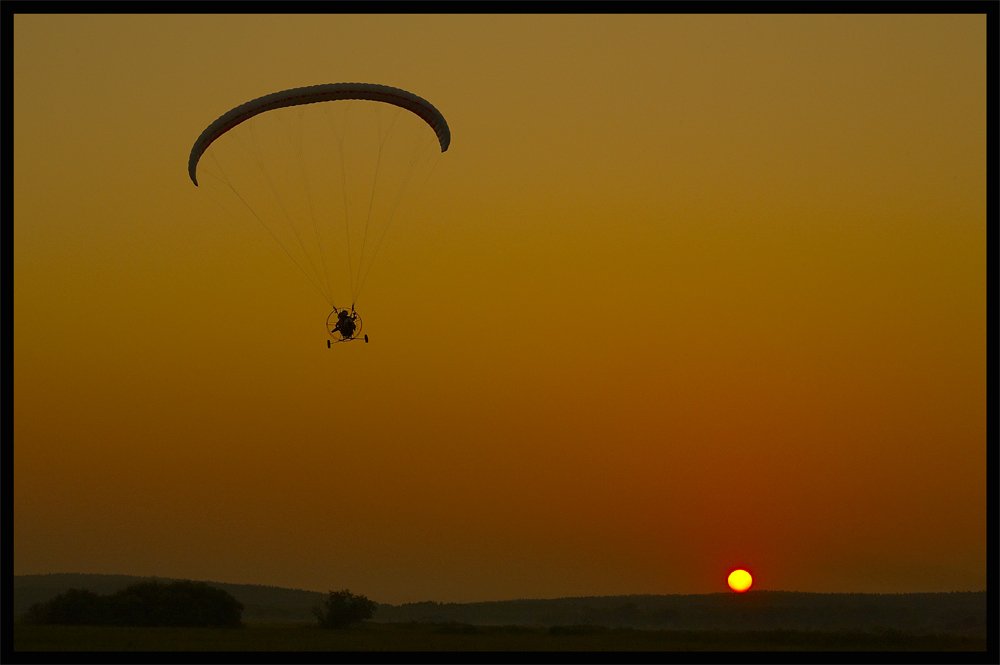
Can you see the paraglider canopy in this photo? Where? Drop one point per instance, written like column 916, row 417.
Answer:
column 319, row 93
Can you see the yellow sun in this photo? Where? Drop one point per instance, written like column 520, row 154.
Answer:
column 740, row 580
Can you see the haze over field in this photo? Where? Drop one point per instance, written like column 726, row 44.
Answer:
column 686, row 293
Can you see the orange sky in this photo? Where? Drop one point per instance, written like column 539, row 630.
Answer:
column 686, row 292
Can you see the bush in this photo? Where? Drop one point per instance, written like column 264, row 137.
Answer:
column 142, row 604
column 342, row 608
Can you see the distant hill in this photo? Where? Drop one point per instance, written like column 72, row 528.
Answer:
column 954, row 613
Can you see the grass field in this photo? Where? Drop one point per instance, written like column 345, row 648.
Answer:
column 463, row 637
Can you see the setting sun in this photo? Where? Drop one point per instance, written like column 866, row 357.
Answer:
column 740, row 580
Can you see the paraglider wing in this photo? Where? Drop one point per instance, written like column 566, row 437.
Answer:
column 319, row 93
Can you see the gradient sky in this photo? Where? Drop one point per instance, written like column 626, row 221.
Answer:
column 687, row 292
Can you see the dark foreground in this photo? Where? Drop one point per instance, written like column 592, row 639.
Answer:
column 463, row 637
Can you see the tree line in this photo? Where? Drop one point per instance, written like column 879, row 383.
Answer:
column 180, row 603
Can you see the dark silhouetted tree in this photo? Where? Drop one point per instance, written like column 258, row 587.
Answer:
column 181, row 603
column 342, row 608
column 72, row 607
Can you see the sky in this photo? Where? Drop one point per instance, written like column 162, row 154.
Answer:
column 686, row 293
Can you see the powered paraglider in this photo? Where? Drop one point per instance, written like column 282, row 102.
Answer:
column 324, row 169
